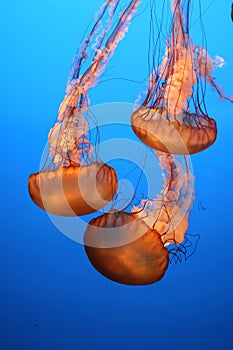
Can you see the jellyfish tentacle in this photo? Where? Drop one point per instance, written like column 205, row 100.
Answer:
column 169, row 212
column 79, row 85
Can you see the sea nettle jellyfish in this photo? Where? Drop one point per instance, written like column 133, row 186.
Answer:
column 74, row 182
column 173, row 117
column 133, row 248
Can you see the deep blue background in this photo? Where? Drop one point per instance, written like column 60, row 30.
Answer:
column 50, row 296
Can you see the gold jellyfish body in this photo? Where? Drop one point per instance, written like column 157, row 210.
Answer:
column 142, row 261
column 132, row 248
column 74, row 182
column 173, row 117
column 73, row 190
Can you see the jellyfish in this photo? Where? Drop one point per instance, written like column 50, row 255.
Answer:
column 132, row 248
column 73, row 181
column 173, row 117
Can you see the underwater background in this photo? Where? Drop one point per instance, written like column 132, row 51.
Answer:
column 50, row 295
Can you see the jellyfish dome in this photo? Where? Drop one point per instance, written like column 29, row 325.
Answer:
column 156, row 128
column 73, row 190
column 173, row 117
column 125, row 250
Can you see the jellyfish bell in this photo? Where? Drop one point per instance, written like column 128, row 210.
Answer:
column 173, row 117
column 125, row 250
column 73, row 190
column 157, row 129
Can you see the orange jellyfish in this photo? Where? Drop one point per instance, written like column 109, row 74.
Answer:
column 74, row 182
column 132, row 248
column 173, row 117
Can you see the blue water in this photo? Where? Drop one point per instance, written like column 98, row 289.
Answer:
column 51, row 298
